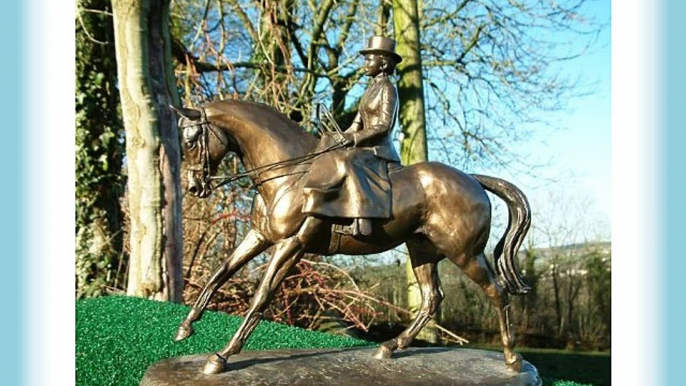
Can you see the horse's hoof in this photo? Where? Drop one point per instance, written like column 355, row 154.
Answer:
column 185, row 330
column 383, row 352
column 215, row 365
column 514, row 363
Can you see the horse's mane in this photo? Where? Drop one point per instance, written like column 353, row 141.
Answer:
column 248, row 109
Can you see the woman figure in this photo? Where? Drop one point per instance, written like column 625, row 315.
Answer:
column 353, row 182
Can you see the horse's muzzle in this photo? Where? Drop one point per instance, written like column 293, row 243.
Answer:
column 193, row 183
column 197, row 187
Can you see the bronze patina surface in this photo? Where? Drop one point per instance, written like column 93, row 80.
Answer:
column 355, row 367
column 353, row 182
column 436, row 210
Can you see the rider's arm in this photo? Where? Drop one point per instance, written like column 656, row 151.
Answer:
column 356, row 125
column 380, row 124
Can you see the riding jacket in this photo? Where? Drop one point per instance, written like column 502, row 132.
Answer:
column 353, row 182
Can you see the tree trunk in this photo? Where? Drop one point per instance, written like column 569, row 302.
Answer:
column 412, row 117
column 147, row 88
column 556, row 292
column 573, row 289
column 531, row 277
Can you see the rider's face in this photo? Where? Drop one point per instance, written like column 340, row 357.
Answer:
column 373, row 64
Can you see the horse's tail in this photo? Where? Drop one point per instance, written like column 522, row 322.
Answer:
column 517, row 227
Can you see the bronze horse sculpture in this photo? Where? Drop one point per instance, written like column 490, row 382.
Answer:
column 438, row 212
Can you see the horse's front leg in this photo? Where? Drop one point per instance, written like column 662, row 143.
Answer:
column 286, row 254
column 253, row 244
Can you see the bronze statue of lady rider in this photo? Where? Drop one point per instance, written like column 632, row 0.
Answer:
column 353, row 183
column 438, row 211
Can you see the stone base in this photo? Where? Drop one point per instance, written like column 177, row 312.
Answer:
column 348, row 367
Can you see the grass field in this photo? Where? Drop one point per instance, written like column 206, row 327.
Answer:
column 584, row 368
column 117, row 338
column 567, row 368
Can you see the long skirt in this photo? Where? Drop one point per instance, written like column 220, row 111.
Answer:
column 349, row 183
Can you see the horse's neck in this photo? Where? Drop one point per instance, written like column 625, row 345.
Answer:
column 266, row 138
column 269, row 154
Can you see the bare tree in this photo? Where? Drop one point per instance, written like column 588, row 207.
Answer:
column 491, row 71
column 147, row 88
column 487, row 67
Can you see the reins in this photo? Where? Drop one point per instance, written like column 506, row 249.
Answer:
column 204, row 157
column 256, row 172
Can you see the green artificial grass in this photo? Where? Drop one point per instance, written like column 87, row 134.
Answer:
column 117, row 338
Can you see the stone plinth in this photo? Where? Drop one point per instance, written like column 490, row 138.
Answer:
column 350, row 367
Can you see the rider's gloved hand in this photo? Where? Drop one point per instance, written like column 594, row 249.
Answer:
column 348, row 140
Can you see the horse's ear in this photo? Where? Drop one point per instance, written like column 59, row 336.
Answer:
column 192, row 114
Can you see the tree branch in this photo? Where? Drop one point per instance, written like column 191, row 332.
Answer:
column 318, row 28
column 244, row 18
column 345, row 31
column 186, row 58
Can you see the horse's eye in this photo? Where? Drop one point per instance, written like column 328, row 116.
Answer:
column 190, row 136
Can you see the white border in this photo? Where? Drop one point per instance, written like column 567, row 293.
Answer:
column 49, row 112
column 635, row 182
column 49, row 204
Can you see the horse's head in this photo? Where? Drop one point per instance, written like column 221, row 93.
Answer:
column 204, row 146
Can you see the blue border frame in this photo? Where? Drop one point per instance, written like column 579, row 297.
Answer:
column 10, row 197
column 673, row 141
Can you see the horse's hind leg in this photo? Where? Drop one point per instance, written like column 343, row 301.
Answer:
column 478, row 269
column 252, row 245
column 424, row 263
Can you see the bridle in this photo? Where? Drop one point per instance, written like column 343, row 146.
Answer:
column 203, row 140
column 203, row 166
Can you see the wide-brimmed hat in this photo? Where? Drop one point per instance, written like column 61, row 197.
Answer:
column 382, row 45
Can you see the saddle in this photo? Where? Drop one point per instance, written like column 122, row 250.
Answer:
column 354, row 228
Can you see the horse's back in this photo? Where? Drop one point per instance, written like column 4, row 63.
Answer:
column 425, row 182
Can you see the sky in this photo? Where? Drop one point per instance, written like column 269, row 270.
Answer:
column 574, row 185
